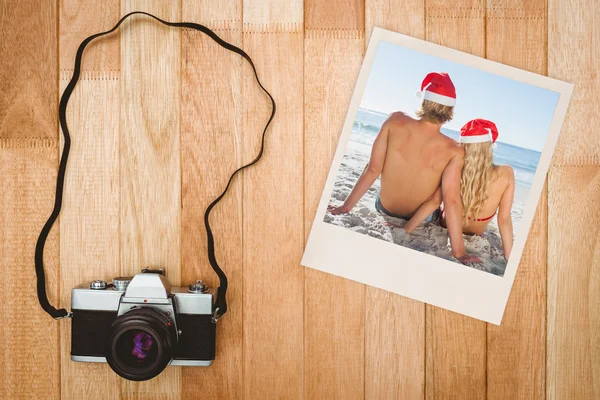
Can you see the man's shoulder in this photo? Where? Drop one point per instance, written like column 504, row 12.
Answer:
column 454, row 147
column 399, row 118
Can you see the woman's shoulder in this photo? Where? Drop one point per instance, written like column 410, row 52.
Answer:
column 505, row 172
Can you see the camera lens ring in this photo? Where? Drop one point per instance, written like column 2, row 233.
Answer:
column 143, row 334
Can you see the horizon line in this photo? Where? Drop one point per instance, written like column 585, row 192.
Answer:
column 497, row 141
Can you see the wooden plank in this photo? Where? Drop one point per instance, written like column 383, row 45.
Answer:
column 516, row 362
column 90, row 215
column 211, row 13
column 572, row 321
column 150, row 158
column 403, row 16
column 335, row 15
column 395, row 346
column 394, row 325
column 333, row 51
column 28, row 181
column 28, row 70
column 456, row 356
column 89, row 229
column 211, row 118
column 28, row 161
column 332, row 61
column 516, row 350
column 460, row 25
column 77, row 21
column 273, row 230
column 573, row 56
column 573, row 283
column 265, row 13
column 516, row 34
column 455, row 344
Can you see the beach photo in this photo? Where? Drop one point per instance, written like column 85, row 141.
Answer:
column 420, row 136
column 437, row 174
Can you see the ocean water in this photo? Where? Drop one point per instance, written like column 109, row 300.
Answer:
column 523, row 161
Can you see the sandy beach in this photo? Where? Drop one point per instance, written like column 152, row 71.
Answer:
column 428, row 238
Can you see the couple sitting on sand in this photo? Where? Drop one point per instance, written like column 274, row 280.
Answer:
column 427, row 176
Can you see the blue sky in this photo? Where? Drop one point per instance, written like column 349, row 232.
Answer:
column 523, row 113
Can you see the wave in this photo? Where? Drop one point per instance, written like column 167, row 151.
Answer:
column 367, row 127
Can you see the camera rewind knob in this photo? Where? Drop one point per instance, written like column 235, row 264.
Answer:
column 98, row 285
column 197, row 287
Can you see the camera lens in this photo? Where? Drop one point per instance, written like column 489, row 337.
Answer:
column 137, row 348
column 140, row 344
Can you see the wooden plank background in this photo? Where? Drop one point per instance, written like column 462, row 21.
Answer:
column 159, row 120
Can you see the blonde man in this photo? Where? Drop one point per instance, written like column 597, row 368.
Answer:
column 414, row 158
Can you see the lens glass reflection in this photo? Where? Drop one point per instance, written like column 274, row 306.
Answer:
column 136, row 348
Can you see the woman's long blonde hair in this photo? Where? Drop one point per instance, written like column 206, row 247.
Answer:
column 477, row 173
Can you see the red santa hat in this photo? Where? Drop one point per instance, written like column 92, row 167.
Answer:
column 478, row 131
column 438, row 87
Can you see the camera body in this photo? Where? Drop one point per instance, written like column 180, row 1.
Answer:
column 140, row 325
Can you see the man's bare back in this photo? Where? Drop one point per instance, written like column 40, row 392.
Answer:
column 414, row 159
column 417, row 154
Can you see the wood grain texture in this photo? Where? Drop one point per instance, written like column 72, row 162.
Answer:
column 349, row 15
column 333, row 340
column 283, row 337
column 80, row 19
column 332, row 63
column 516, row 350
column 402, row 16
column 28, row 65
column 516, row 34
column 28, row 165
column 211, row 13
column 455, row 345
column 573, row 283
column 459, row 25
column 211, row 118
column 150, row 174
column 573, row 53
column 268, row 12
column 273, row 228
column 394, row 325
column 27, row 180
column 90, row 215
column 573, row 359
column 89, row 228
column 516, row 359
column 455, row 348
column 395, row 346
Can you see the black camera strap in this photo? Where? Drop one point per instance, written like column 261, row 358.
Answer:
column 220, row 306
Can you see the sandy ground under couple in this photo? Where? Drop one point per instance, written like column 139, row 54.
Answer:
column 428, row 238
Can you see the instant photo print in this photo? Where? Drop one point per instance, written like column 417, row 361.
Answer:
column 437, row 174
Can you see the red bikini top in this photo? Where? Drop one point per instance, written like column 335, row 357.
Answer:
column 483, row 219
column 476, row 219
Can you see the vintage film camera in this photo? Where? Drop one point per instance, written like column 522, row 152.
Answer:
column 141, row 325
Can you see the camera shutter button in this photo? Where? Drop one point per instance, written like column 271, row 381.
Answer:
column 98, row 285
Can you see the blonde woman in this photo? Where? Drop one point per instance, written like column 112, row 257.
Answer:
column 485, row 188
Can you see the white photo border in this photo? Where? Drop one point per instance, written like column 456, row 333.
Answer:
column 407, row 272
